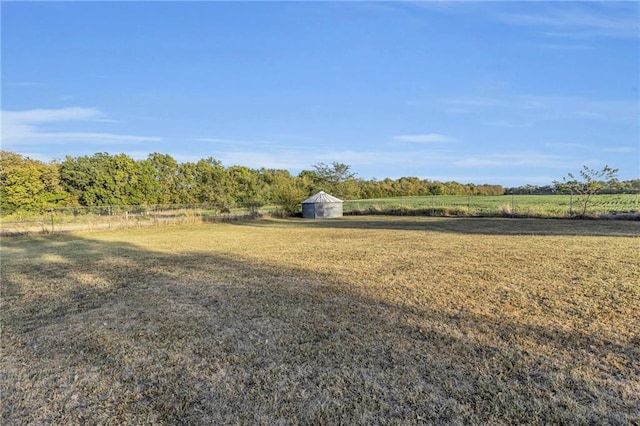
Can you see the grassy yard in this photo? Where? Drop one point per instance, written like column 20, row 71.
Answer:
column 360, row 320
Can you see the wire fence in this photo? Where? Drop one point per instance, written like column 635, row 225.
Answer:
column 69, row 219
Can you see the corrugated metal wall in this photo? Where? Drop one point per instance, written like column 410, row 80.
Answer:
column 321, row 210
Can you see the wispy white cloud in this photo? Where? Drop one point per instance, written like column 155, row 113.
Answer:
column 516, row 167
column 223, row 141
column 303, row 158
column 240, row 142
column 21, row 128
column 580, row 20
column 23, row 84
column 473, row 101
column 424, row 138
column 557, row 46
column 293, row 159
column 508, row 124
column 90, row 137
column 562, row 19
column 568, row 145
column 254, row 144
column 469, row 104
column 34, row 116
column 621, row 149
column 552, row 107
column 530, row 108
column 517, row 160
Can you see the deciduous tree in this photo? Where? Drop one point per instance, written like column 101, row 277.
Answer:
column 29, row 185
column 588, row 183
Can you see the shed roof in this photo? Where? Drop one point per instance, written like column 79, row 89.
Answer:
column 322, row 197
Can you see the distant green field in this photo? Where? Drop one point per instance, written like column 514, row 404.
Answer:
column 521, row 205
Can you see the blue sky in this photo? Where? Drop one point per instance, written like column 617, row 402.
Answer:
column 509, row 93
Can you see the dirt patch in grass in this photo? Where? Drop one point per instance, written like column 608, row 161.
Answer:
column 354, row 321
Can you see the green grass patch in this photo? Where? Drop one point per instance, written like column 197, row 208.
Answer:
column 504, row 205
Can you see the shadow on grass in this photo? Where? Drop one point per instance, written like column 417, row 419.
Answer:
column 472, row 226
column 104, row 332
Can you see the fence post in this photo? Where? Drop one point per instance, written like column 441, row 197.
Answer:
column 571, row 204
column 433, row 204
column 512, row 204
column 51, row 211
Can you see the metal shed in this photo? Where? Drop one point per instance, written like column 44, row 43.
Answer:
column 322, row 206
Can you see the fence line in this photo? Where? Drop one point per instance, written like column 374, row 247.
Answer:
column 65, row 219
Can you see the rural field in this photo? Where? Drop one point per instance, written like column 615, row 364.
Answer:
column 556, row 206
column 82, row 219
column 358, row 320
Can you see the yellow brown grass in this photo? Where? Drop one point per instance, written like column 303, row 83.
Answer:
column 350, row 321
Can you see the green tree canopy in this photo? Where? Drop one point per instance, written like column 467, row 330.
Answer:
column 588, row 183
column 28, row 184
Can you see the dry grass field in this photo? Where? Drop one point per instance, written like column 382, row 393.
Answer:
column 351, row 321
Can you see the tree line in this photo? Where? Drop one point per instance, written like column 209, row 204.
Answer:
column 104, row 179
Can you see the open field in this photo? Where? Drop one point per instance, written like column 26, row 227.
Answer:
column 501, row 205
column 360, row 320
